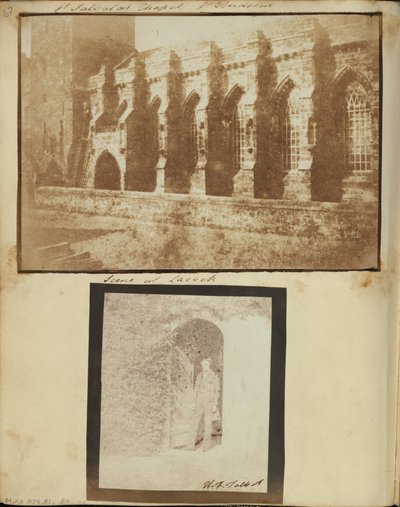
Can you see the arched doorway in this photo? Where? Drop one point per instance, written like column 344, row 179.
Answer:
column 107, row 173
column 195, row 340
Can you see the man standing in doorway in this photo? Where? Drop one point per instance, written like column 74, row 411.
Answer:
column 206, row 396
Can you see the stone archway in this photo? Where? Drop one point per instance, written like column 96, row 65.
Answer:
column 193, row 341
column 107, row 174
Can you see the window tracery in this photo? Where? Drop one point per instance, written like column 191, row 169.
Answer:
column 357, row 129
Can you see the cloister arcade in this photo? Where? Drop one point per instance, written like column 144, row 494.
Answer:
column 235, row 129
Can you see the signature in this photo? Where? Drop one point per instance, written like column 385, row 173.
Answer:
column 213, row 484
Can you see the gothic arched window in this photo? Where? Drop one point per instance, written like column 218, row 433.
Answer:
column 162, row 134
column 201, row 131
column 233, row 120
column 294, row 129
column 194, row 131
column 237, row 138
column 190, row 131
column 357, row 129
column 243, row 137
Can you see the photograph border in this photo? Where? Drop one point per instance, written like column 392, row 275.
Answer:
column 378, row 267
column 276, row 449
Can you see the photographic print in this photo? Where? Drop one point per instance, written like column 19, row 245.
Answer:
column 186, row 390
column 161, row 142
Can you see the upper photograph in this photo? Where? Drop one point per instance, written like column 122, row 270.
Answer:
column 225, row 142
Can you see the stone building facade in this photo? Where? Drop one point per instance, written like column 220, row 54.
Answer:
column 64, row 52
column 290, row 111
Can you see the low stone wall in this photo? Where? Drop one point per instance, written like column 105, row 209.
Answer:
column 334, row 221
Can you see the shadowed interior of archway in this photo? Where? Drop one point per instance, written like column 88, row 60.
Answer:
column 107, row 174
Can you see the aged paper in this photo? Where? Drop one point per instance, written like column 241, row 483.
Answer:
column 342, row 327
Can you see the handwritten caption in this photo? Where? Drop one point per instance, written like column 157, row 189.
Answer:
column 208, row 6
column 163, row 278
column 213, row 484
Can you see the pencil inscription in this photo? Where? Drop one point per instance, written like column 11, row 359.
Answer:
column 213, row 484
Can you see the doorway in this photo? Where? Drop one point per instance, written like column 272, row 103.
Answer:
column 194, row 340
column 107, row 174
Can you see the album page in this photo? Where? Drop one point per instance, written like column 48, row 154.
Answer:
column 199, row 252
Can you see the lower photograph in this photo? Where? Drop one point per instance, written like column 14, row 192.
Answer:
column 186, row 393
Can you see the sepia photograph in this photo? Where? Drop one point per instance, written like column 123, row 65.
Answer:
column 186, row 392
column 227, row 142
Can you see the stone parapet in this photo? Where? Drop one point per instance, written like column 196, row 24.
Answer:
column 336, row 221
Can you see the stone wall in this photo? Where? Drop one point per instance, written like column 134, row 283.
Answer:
column 332, row 221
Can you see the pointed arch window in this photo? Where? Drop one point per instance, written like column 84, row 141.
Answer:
column 244, row 135
column 234, row 122
column 237, row 138
column 357, row 129
column 199, row 129
column 294, row 130
column 162, row 134
column 193, row 139
column 190, row 131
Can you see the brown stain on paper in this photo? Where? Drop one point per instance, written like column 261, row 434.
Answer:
column 9, row 270
column 14, row 435
column 300, row 286
column 380, row 281
column 367, row 280
column 22, row 444
column 72, row 451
